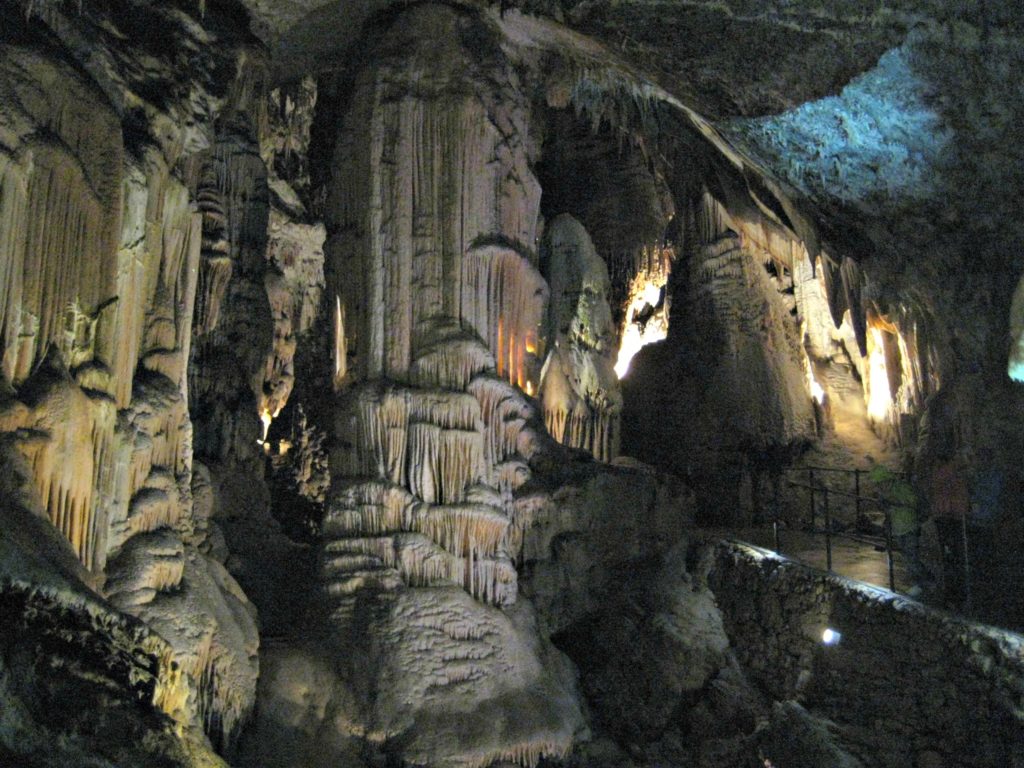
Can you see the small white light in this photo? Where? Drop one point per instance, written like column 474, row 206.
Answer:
column 831, row 637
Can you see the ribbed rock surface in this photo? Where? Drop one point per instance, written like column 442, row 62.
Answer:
column 432, row 212
column 103, row 251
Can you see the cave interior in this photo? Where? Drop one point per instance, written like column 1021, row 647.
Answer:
column 436, row 383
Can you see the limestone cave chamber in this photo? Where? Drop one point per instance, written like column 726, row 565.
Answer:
column 551, row 383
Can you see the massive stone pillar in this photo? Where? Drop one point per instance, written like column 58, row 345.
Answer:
column 438, row 308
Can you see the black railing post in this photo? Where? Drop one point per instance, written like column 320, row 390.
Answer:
column 888, row 550
column 828, row 531
column 775, row 517
column 967, row 567
column 810, row 483
column 856, row 501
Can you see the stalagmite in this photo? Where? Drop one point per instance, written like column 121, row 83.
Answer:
column 579, row 387
column 438, row 327
column 763, row 393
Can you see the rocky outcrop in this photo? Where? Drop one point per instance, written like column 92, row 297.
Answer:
column 437, row 304
column 578, row 387
column 103, row 254
column 726, row 397
column 934, row 688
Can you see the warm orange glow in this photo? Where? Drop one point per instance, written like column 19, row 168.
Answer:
column 267, row 418
column 644, row 294
column 340, row 343
column 511, row 354
column 879, row 397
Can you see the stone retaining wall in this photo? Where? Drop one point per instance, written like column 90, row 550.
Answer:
column 907, row 685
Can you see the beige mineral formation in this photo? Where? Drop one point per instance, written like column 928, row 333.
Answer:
column 579, row 387
column 441, row 332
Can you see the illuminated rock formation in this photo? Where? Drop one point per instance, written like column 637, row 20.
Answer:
column 578, row 387
column 103, row 253
column 647, row 307
column 294, row 283
column 220, row 263
column 226, row 377
column 762, row 392
column 432, row 204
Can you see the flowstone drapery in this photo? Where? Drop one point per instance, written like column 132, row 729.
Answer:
column 438, row 312
column 102, row 253
column 579, row 388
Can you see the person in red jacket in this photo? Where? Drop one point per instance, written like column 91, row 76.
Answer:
column 950, row 500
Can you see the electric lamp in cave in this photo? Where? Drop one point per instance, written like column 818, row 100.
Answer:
column 646, row 317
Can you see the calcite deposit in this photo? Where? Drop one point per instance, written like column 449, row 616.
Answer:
column 367, row 367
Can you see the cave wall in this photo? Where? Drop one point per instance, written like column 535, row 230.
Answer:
column 108, row 237
column 911, row 168
column 905, row 684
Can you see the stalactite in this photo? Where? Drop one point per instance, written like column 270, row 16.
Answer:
column 214, row 276
column 294, row 283
column 834, row 290
column 67, row 247
column 13, row 212
column 451, row 363
column 59, row 206
column 852, row 279
column 340, row 344
column 215, row 266
column 424, row 461
column 147, row 565
column 448, row 410
column 69, row 442
column 505, row 300
column 504, row 412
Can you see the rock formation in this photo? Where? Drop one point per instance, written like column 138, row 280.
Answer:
column 579, row 388
column 311, row 423
column 438, row 315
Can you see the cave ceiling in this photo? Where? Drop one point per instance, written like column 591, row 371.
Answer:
column 725, row 59
column 890, row 125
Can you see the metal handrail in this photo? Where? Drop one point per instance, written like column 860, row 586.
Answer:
column 855, row 470
column 875, row 499
column 859, row 499
column 882, row 503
